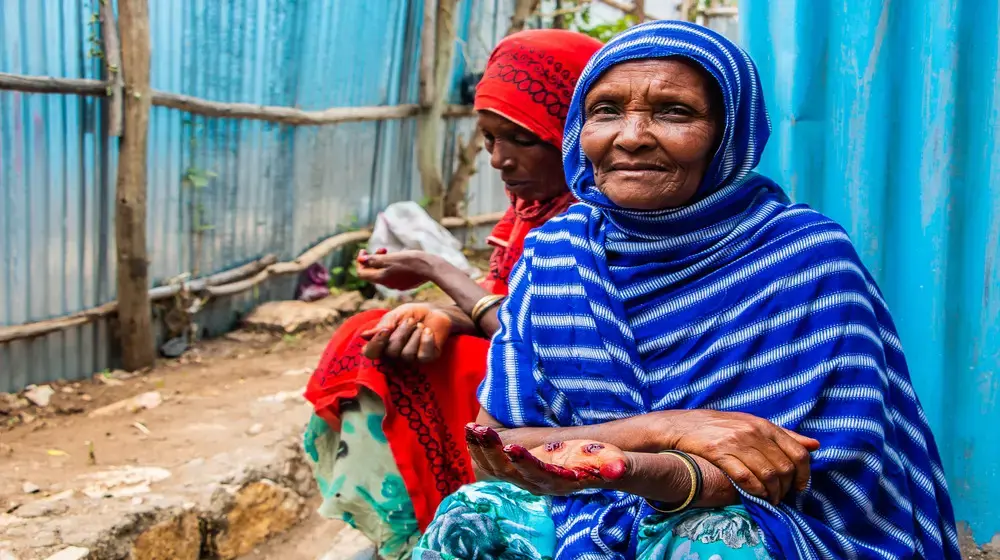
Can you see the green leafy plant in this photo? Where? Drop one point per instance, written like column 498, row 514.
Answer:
column 605, row 31
column 575, row 15
column 345, row 278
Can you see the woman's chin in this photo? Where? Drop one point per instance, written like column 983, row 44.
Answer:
column 525, row 192
column 640, row 197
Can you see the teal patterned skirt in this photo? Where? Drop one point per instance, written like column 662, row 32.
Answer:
column 499, row 521
column 361, row 484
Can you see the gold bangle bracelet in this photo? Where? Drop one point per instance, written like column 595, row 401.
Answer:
column 482, row 306
column 694, row 484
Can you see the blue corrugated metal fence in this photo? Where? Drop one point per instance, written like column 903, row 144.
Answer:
column 886, row 118
column 221, row 192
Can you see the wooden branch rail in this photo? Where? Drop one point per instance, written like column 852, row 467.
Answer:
column 245, row 111
column 626, row 7
column 225, row 283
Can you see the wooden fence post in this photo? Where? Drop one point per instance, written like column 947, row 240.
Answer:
column 430, row 123
column 134, row 311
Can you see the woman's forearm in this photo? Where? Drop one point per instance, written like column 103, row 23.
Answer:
column 665, row 477
column 643, row 433
column 465, row 292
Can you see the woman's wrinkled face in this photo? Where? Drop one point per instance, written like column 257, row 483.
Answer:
column 530, row 168
column 651, row 131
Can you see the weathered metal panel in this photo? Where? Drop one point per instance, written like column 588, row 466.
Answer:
column 886, row 118
column 53, row 193
column 270, row 188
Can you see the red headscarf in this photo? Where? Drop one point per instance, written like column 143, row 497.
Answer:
column 529, row 80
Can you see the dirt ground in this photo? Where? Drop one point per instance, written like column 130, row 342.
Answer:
column 226, row 373
column 218, row 397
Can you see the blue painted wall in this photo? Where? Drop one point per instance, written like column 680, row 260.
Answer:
column 885, row 118
column 274, row 188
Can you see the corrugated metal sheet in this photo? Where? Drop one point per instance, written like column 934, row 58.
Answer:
column 886, row 118
column 273, row 188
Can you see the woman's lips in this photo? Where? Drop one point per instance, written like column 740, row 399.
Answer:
column 636, row 166
column 517, row 185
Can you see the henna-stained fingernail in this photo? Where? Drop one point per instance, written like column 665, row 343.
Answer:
column 515, row 453
column 381, row 251
column 428, row 333
column 553, row 446
column 491, row 437
column 471, row 434
column 592, row 448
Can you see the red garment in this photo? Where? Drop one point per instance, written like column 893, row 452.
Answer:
column 507, row 237
column 426, row 406
column 529, row 80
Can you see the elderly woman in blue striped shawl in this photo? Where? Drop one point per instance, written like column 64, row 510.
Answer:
column 677, row 343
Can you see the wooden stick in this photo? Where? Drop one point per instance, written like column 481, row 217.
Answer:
column 284, row 115
column 459, row 111
column 474, row 221
column 113, row 67
column 625, row 7
column 722, row 11
column 320, row 250
column 213, row 286
column 685, row 9
column 46, row 84
column 430, row 125
column 134, row 311
column 199, row 285
column 639, row 10
column 458, row 185
column 246, row 111
column 428, row 36
column 40, row 328
column 522, row 11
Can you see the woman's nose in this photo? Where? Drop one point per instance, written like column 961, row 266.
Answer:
column 635, row 134
column 500, row 159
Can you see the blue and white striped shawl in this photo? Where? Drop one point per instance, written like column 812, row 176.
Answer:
column 740, row 301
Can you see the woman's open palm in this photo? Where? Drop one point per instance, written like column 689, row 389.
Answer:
column 553, row 469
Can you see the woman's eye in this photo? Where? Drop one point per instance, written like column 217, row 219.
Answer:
column 488, row 140
column 603, row 109
column 676, row 110
column 525, row 141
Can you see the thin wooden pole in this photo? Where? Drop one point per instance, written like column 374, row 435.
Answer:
column 430, row 125
column 113, row 68
column 134, row 311
column 428, row 50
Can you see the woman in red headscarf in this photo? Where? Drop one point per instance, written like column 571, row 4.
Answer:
column 394, row 390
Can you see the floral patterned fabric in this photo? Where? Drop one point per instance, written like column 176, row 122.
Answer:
column 499, row 521
column 358, row 478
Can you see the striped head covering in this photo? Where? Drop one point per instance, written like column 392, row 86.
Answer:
column 739, row 301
